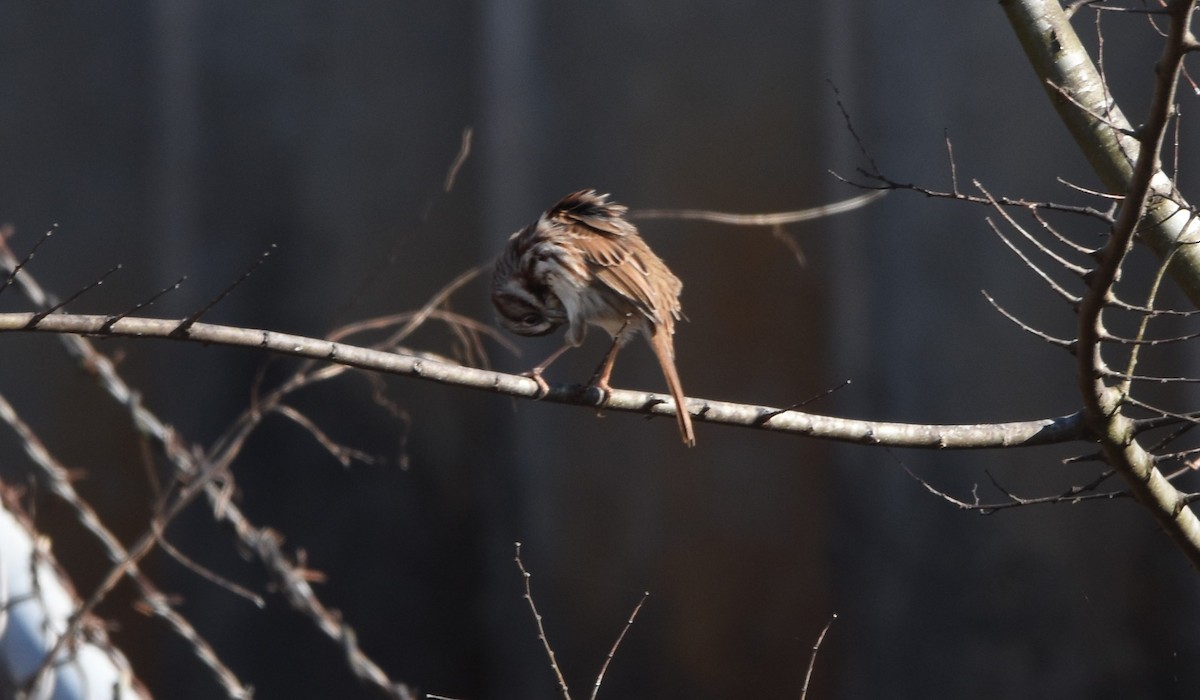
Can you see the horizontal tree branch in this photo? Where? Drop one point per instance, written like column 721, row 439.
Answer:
column 970, row 436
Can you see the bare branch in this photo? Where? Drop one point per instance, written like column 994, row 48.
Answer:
column 1085, row 190
column 1119, row 340
column 141, row 305
column 537, row 619
column 953, row 166
column 970, row 436
column 464, row 150
column 262, row 543
column 1116, row 124
column 620, row 637
column 1129, row 378
column 862, row 148
column 1068, row 345
column 1103, row 8
column 883, row 182
column 771, row 414
column 1045, row 250
column 87, row 288
column 1050, row 282
column 187, row 322
column 60, row 484
column 36, row 601
column 1071, row 8
column 776, row 219
column 812, row 658
column 17, row 265
column 437, row 300
column 1074, row 495
column 209, row 575
column 344, row 455
column 1059, row 58
column 1152, row 297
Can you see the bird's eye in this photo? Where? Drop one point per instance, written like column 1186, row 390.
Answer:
column 530, row 319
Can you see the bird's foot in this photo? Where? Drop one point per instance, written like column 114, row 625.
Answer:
column 600, row 385
column 536, row 375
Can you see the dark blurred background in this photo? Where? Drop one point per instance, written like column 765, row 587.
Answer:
column 184, row 137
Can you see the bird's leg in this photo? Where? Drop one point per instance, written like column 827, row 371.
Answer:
column 536, row 373
column 604, row 371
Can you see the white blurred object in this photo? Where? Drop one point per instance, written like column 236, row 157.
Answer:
column 36, row 604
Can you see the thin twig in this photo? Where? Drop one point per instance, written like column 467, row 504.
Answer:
column 16, row 268
column 1057, row 288
column 208, row 574
column 1068, row 345
column 57, row 477
column 141, row 305
column 620, row 637
column 775, row 219
column 537, row 619
column 437, row 300
column 464, row 150
column 263, row 543
column 1151, row 298
column 1113, row 124
column 1037, row 216
column 344, row 455
column 885, row 183
column 771, row 414
column 1074, row 495
column 188, row 322
column 862, row 148
column 1078, row 270
column 812, row 658
column 953, row 165
column 1116, row 198
column 85, row 289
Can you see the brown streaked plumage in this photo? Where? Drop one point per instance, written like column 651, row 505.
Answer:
column 582, row 263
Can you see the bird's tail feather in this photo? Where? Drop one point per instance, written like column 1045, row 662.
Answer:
column 664, row 348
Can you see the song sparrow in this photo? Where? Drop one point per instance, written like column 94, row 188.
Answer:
column 581, row 262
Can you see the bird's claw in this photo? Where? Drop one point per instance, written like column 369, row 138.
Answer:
column 543, row 387
column 602, row 387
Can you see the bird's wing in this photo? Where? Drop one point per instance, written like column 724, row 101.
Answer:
column 616, row 255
